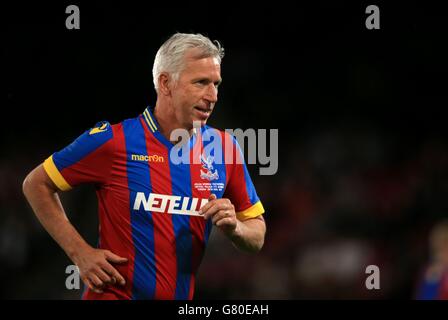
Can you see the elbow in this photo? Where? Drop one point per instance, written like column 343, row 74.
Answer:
column 255, row 239
column 258, row 246
column 254, row 247
column 259, row 243
column 251, row 247
column 27, row 184
column 33, row 182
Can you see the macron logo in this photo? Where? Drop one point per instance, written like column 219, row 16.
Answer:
column 168, row 203
column 153, row 158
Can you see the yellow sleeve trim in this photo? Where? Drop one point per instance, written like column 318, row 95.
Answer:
column 251, row 212
column 55, row 175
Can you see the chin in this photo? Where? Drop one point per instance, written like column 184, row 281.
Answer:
column 203, row 122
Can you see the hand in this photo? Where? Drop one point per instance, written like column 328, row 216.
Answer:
column 222, row 213
column 96, row 270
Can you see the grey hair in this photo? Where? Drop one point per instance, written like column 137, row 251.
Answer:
column 170, row 56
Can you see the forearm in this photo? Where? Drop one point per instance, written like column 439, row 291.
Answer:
column 48, row 209
column 249, row 235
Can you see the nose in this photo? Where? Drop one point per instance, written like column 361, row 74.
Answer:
column 212, row 93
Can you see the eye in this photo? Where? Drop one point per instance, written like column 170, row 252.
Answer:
column 202, row 82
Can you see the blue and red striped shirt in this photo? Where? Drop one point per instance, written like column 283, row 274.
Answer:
column 148, row 202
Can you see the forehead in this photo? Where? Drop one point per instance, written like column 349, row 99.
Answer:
column 197, row 66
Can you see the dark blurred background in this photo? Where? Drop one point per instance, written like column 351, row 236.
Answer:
column 363, row 159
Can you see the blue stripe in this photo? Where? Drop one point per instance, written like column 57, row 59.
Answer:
column 81, row 147
column 144, row 280
column 181, row 186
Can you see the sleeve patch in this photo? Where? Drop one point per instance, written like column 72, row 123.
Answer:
column 100, row 127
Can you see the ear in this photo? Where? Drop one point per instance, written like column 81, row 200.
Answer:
column 165, row 84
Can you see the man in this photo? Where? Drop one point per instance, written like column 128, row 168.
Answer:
column 155, row 212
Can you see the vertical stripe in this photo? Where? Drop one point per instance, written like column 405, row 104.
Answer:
column 141, row 221
column 239, row 187
column 249, row 186
column 164, row 239
column 180, row 175
column 115, row 217
column 197, row 224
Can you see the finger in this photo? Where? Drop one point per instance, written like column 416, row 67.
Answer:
column 96, row 281
column 104, row 277
column 96, row 290
column 112, row 257
column 92, row 287
column 205, row 207
column 226, row 222
column 114, row 273
column 212, row 197
column 210, row 203
column 87, row 282
column 215, row 208
column 221, row 214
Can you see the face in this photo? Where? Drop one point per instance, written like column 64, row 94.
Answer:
column 195, row 93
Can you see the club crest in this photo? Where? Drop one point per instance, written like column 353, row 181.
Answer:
column 207, row 164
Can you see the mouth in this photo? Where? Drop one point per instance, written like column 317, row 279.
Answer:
column 203, row 112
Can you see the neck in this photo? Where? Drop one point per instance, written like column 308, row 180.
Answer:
column 167, row 120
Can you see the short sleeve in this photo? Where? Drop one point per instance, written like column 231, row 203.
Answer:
column 88, row 159
column 240, row 189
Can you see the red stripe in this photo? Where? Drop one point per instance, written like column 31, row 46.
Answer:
column 197, row 224
column 93, row 167
column 236, row 185
column 115, row 221
column 164, row 238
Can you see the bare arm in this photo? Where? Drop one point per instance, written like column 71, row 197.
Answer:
column 249, row 234
column 95, row 270
column 42, row 195
column 246, row 235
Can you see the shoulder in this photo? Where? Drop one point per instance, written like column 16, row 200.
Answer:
column 93, row 141
column 98, row 134
column 105, row 128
